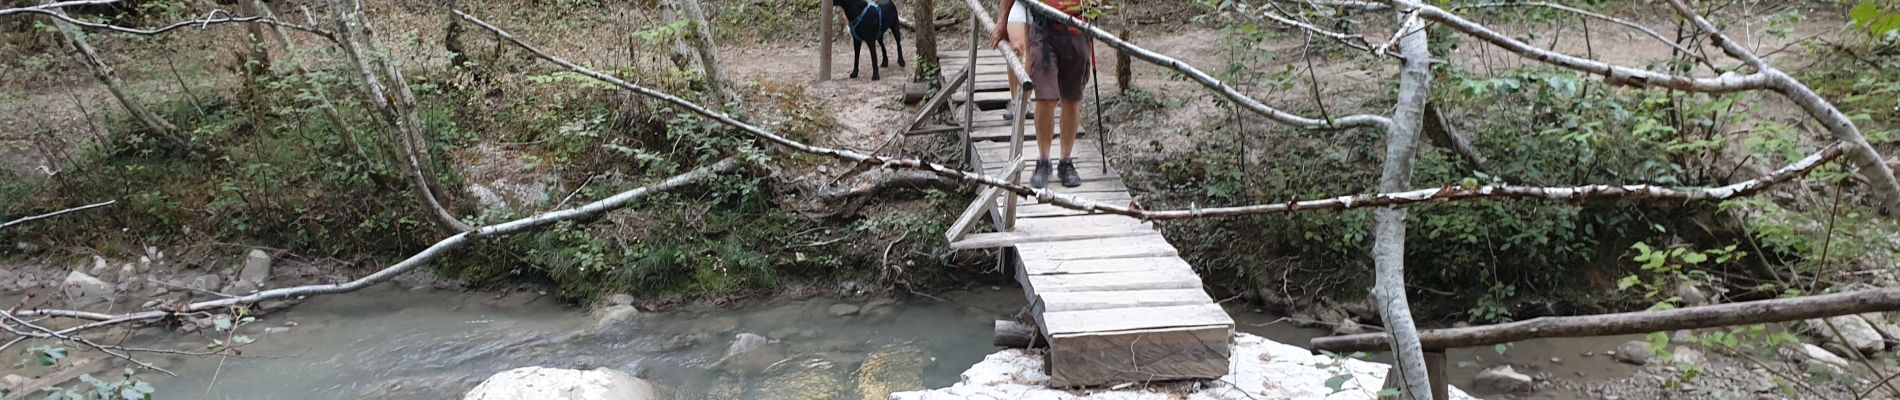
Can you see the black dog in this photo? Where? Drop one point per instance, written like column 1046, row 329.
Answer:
column 868, row 23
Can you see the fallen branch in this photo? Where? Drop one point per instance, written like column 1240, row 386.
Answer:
column 434, row 251
column 1744, row 313
column 1400, row 199
column 55, row 213
column 44, row 333
column 1586, row 13
column 200, row 23
column 52, row 6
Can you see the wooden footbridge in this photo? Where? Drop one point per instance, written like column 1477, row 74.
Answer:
column 1111, row 299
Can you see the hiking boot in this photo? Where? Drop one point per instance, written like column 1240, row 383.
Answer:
column 1041, row 177
column 1066, row 170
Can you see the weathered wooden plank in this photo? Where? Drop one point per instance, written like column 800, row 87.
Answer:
column 1126, row 319
column 982, row 98
column 1151, row 245
column 1103, row 359
column 1119, row 299
column 1083, row 147
column 1029, row 133
column 1056, row 267
column 1018, row 237
column 1037, row 285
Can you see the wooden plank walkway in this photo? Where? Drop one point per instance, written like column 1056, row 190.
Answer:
column 1113, row 299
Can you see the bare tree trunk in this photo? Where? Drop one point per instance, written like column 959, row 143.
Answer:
column 316, row 88
column 708, row 53
column 402, row 125
column 926, row 12
column 1388, row 248
column 76, row 41
column 680, row 55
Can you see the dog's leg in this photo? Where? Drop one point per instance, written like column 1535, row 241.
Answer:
column 899, row 35
column 885, row 51
column 874, row 45
column 857, row 46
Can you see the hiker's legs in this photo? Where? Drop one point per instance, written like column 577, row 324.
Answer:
column 1070, row 121
column 1045, row 128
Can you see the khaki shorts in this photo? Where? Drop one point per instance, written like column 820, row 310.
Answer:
column 1059, row 61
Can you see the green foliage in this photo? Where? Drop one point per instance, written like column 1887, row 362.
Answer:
column 1879, row 17
column 1671, row 268
column 128, row 387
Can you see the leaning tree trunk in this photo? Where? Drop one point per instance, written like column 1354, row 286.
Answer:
column 708, row 53
column 926, row 14
column 76, row 41
column 321, row 94
column 680, row 56
column 1388, row 248
column 398, row 113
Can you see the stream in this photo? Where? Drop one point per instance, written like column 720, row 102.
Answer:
column 390, row 343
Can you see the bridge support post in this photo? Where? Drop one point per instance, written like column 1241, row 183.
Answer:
column 824, row 45
column 1434, row 368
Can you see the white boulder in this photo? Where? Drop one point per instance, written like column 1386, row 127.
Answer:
column 1855, row 332
column 538, row 383
column 1504, row 379
column 1262, row 369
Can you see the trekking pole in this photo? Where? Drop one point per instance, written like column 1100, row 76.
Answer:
column 1097, row 78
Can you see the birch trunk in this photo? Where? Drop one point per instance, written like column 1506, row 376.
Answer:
column 402, row 126
column 1388, row 248
column 76, row 41
column 708, row 53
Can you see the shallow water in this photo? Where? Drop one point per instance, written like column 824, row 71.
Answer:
column 387, row 343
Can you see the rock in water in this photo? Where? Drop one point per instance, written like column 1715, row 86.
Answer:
column 620, row 299
column 1635, row 352
column 1855, row 332
column 841, row 310
column 890, row 371
column 257, row 267
column 614, row 315
column 536, row 383
column 83, row 290
column 1503, row 379
column 750, row 353
column 812, row 379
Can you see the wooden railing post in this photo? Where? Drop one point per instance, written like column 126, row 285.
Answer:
column 1019, row 103
column 824, row 45
column 969, row 93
